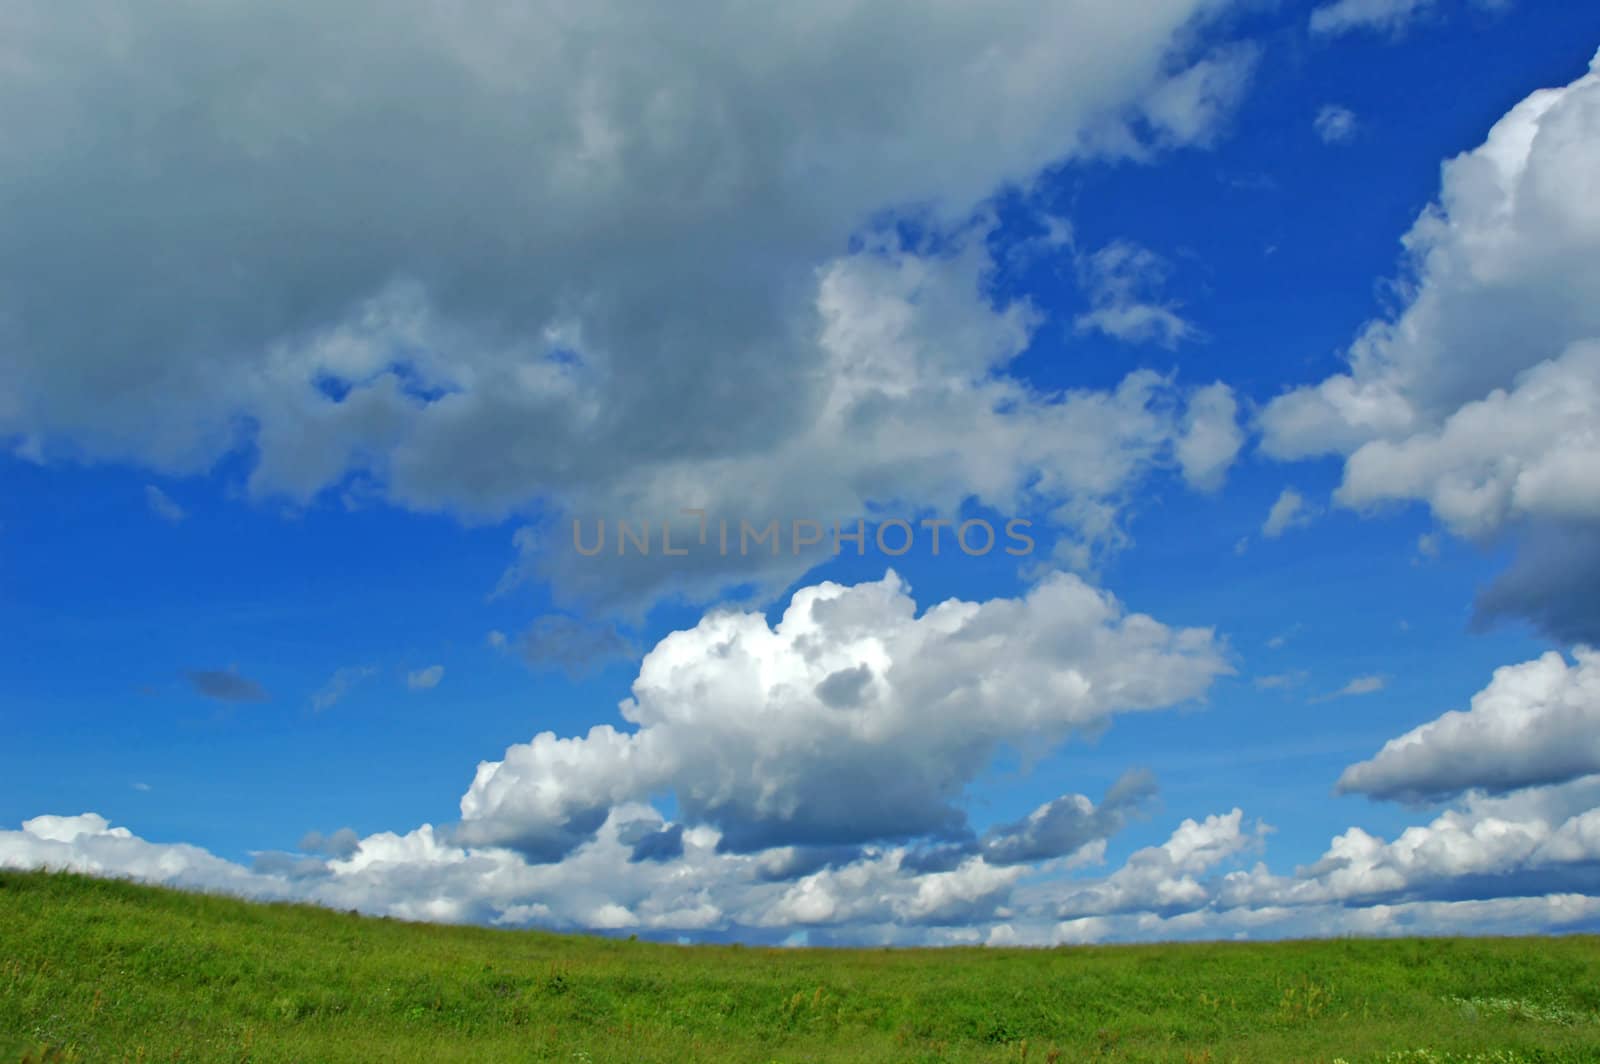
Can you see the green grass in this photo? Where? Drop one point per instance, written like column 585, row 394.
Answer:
column 96, row 969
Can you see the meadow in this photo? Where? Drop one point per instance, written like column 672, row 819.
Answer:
column 94, row 969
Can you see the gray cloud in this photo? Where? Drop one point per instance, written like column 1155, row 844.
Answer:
column 340, row 844
column 225, row 686
column 573, row 645
column 500, row 313
column 1554, row 583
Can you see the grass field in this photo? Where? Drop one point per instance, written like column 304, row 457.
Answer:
column 104, row 970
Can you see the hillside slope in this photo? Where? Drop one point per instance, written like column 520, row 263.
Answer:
column 103, row 970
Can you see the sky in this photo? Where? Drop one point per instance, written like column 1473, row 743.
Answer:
column 1159, row 449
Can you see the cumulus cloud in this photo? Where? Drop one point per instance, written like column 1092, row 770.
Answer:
column 1536, row 723
column 1529, row 451
column 1335, row 124
column 1164, row 879
column 225, row 685
column 425, row 679
column 851, row 720
column 1524, row 863
column 1535, row 842
column 503, row 313
column 1481, row 396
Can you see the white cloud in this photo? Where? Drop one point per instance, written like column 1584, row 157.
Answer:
column 1533, row 450
column 425, row 679
column 1161, row 879
column 1536, row 842
column 1211, row 437
column 752, row 730
column 1481, row 397
column 1289, row 510
column 1123, row 281
column 1335, row 124
column 1536, row 723
column 1517, row 864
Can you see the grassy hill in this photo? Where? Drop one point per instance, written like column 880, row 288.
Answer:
column 103, row 970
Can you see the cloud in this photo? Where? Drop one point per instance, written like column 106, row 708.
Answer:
column 1542, row 841
column 161, row 504
column 509, row 322
column 1518, row 864
column 1071, row 826
column 226, row 686
column 1479, row 397
column 1381, row 16
column 1536, row 723
column 1281, row 640
column 1290, row 510
column 911, row 408
column 339, row 685
column 1123, row 280
column 1554, row 582
column 1211, row 437
column 1192, row 106
column 1335, row 124
column 1067, row 825
column 1162, row 879
column 1343, row 16
column 341, row 844
column 1523, row 860
column 425, row 679
column 663, row 845
column 575, row 646
column 852, row 720
column 1527, row 451
column 1360, row 685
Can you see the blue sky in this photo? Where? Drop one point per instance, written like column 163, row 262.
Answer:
column 1288, row 362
